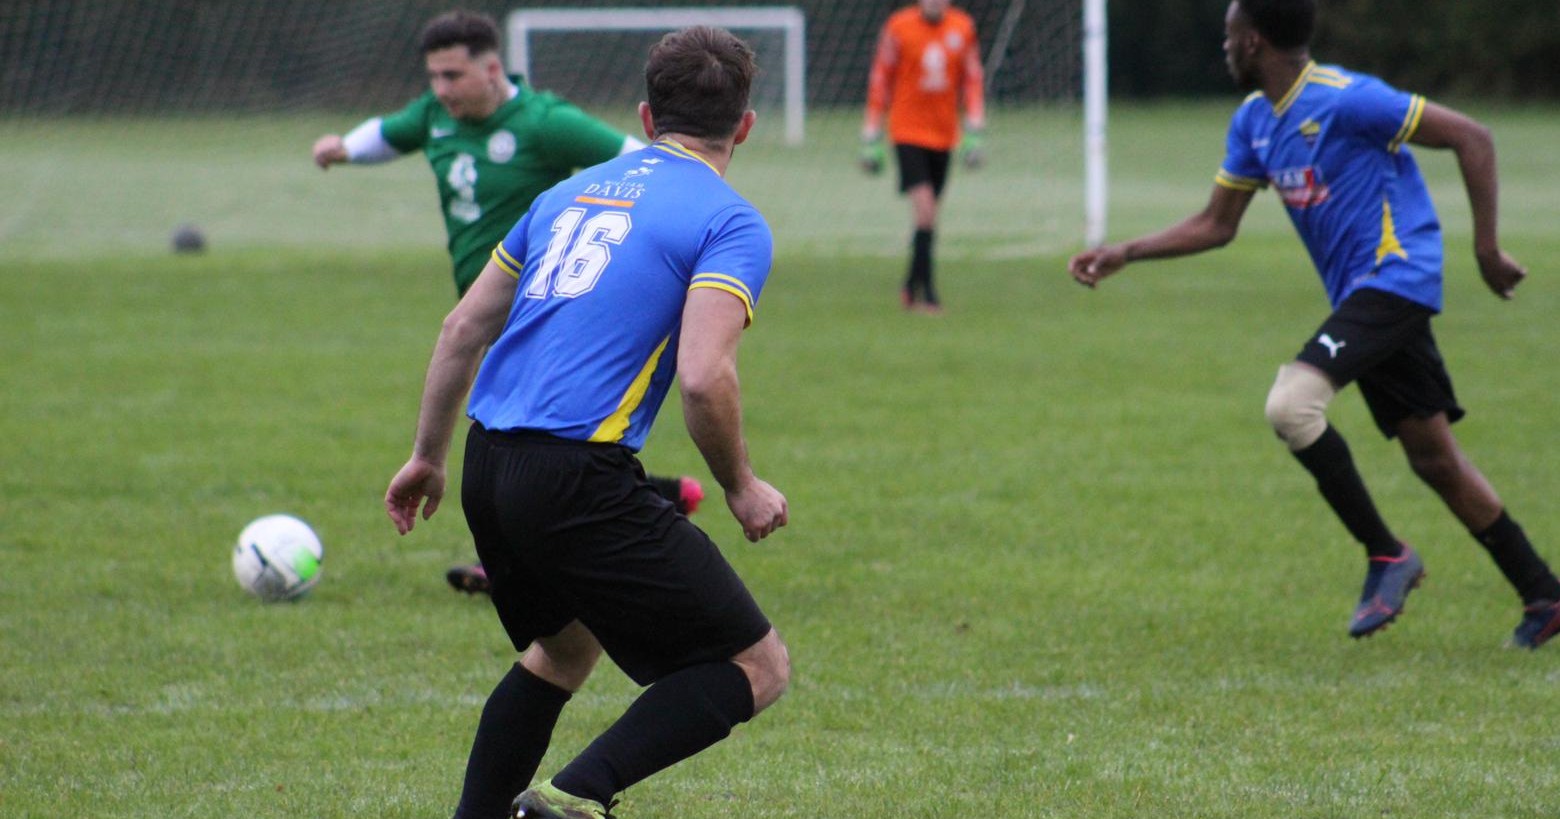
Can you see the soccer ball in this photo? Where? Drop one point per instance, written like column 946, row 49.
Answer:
column 277, row 558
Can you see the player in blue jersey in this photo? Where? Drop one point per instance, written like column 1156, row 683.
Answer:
column 636, row 271
column 1334, row 144
column 494, row 145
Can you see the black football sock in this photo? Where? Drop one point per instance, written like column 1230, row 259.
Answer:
column 1329, row 462
column 1509, row 547
column 513, row 734
column 674, row 719
column 921, row 266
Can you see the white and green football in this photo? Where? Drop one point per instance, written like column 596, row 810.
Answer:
column 277, row 558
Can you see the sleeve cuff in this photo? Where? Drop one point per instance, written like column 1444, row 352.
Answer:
column 1225, row 179
column 729, row 284
column 506, row 262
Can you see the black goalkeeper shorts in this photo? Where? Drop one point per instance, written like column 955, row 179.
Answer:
column 569, row 530
column 919, row 165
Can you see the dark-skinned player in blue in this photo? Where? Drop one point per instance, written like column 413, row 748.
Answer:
column 1334, row 144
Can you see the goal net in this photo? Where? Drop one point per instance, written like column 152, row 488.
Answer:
column 583, row 80
column 170, row 111
column 801, row 169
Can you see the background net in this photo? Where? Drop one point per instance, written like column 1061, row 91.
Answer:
column 124, row 118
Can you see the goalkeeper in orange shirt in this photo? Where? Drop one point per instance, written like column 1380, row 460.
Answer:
column 927, row 67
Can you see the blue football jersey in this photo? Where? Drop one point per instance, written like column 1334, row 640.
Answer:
column 604, row 262
column 1335, row 150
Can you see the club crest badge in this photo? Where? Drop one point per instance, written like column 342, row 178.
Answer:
column 1310, row 130
column 501, row 147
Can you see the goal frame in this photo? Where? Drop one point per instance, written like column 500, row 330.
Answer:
column 1096, row 96
column 521, row 23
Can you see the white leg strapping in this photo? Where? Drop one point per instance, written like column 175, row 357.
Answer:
column 1297, row 404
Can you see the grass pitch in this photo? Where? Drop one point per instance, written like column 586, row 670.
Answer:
column 1045, row 557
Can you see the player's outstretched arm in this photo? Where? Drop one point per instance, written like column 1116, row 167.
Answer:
column 329, row 150
column 1442, row 127
column 468, row 330
column 363, row 145
column 1215, row 226
column 712, row 408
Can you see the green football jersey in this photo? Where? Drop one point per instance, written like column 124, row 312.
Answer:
column 488, row 172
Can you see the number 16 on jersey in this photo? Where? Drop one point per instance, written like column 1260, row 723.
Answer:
column 578, row 254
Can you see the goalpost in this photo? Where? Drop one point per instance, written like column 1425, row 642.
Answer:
column 1095, row 105
column 1022, row 27
column 1043, row 191
column 1095, row 97
column 787, row 19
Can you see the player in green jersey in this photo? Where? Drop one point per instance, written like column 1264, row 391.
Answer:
column 494, row 144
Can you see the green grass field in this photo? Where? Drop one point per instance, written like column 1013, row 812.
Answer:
column 1045, row 557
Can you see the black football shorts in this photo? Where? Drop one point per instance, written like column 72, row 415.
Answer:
column 1384, row 342
column 918, row 165
column 569, row 530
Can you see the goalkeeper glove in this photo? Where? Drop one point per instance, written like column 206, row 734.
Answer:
column 972, row 149
column 872, row 155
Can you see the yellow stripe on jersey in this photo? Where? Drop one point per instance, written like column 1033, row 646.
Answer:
column 1239, row 183
column 1390, row 246
column 506, row 262
column 611, row 430
column 730, row 284
column 674, row 148
column 1329, row 77
column 730, row 281
column 1416, row 111
column 1294, row 90
column 611, row 203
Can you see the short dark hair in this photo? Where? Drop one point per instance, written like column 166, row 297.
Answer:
column 474, row 30
column 697, row 82
column 1287, row 24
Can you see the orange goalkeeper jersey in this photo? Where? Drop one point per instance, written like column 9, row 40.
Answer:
column 919, row 74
